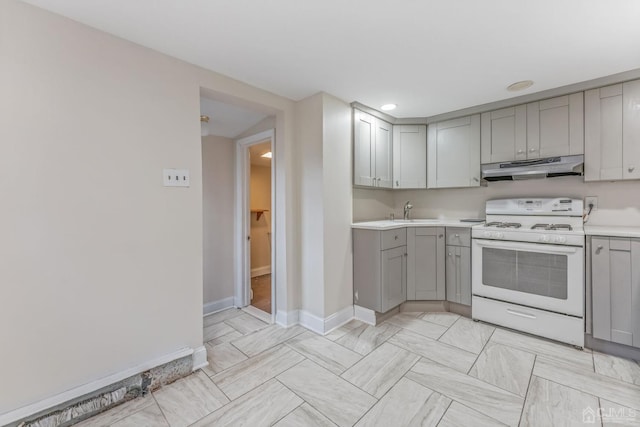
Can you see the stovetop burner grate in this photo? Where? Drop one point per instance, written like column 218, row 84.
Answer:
column 500, row 224
column 552, row 227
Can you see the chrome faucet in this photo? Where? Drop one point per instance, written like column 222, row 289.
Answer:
column 407, row 207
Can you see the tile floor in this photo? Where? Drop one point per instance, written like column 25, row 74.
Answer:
column 261, row 287
column 415, row 369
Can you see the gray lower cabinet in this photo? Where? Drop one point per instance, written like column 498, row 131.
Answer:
column 379, row 268
column 458, row 265
column 425, row 263
column 615, row 280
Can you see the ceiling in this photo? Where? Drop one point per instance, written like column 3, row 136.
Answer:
column 228, row 120
column 427, row 56
column 256, row 151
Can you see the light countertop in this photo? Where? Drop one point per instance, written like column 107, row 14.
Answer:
column 399, row 223
column 612, row 230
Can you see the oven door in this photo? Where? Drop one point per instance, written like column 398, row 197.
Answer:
column 548, row 277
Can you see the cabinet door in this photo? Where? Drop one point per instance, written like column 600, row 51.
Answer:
column 383, row 154
column 364, row 149
column 555, row 127
column 459, row 274
column 394, row 277
column 464, row 275
column 425, row 263
column 635, row 291
column 453, row 153
column 631, row 130
column 453, row 293
column 601, row 288
column 611, row 276
column 410, row 156
column 504, row 135
column 603, row 133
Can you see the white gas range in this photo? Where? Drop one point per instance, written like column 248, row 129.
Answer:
column 528, row 267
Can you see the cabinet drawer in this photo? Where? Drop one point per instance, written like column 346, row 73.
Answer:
column 619, row 244
column 458, row 236
column 394, row 238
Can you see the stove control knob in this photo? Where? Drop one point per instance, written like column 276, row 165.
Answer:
column 500, row 235
column 562, row 239
column 487, row 234
column 544, row 239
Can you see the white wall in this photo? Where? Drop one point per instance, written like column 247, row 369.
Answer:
column 218, row 194
column 311, row 234
column 619, row 202
column 324, row 143
column 101, row 266
column 337, row 198
column 267, row 123
column 260, row 185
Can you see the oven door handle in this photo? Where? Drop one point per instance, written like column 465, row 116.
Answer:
column 547, row 249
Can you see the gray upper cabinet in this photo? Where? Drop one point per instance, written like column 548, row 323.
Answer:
column 425, row 263
column 612, row 132
column 458, row 265
column 372, row 151
column 615, row 280
column 555, row 127
column 504, row 135
column 409, row 156
column 548, row 128
column 453, row 153
column 379, row 268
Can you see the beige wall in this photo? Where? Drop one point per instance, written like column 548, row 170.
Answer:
column 618, row 202
column 337, row 198
column 324, row 148
column 218, row 194
column 371, row 204
column 101, row 266
column 260, row 228
column 311, row 233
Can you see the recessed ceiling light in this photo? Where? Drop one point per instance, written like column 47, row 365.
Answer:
column 388, row 107
column 520, row 85
column 267, row 155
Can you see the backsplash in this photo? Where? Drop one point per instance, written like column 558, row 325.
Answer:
column 618, row 202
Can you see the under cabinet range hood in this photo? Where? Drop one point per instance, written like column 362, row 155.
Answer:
column 533, row 169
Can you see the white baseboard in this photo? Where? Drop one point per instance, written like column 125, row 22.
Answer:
column 338, row 319
column 260, row 271
column 364, row 315
column 311, row 322
column 200, row 358
column 74, row 393
column 315, row 323
column 221, row 304
column 287, row 318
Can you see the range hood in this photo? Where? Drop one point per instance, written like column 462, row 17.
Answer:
column 532, row 169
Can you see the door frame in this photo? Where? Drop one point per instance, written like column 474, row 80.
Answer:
column 242, row 226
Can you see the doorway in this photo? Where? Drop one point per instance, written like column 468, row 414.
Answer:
column 255, row 229
column 260, row 225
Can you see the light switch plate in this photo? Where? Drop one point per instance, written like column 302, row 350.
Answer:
column 175, row 177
